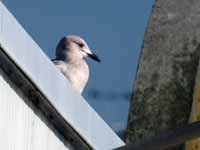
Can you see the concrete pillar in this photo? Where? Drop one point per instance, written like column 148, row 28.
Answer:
column 163, row 89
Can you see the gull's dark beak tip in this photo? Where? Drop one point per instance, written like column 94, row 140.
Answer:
column 94, row 57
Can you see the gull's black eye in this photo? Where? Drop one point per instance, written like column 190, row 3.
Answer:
column 81, row 45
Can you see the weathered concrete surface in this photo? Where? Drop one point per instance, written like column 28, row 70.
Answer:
column 163, row 89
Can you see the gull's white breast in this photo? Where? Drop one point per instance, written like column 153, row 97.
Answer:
column 77, row 73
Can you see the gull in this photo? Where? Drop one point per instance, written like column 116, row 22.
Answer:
column 71, row 52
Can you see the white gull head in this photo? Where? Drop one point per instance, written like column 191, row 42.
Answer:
column 70, row 54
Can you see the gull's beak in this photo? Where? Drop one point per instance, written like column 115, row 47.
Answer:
column 94, row 57
column 91, row 55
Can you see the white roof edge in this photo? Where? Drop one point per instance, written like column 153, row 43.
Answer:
column 20, row 47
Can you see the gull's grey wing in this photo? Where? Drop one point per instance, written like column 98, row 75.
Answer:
column 61, row 65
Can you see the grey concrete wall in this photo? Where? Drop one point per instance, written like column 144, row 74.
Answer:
column 163, row 88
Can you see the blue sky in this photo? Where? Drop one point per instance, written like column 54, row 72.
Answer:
column 114, row 29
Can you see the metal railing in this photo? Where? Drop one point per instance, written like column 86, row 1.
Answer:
column 167, row 139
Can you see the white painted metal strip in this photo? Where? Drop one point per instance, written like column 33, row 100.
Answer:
column 1, row 19
column 20, row 127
